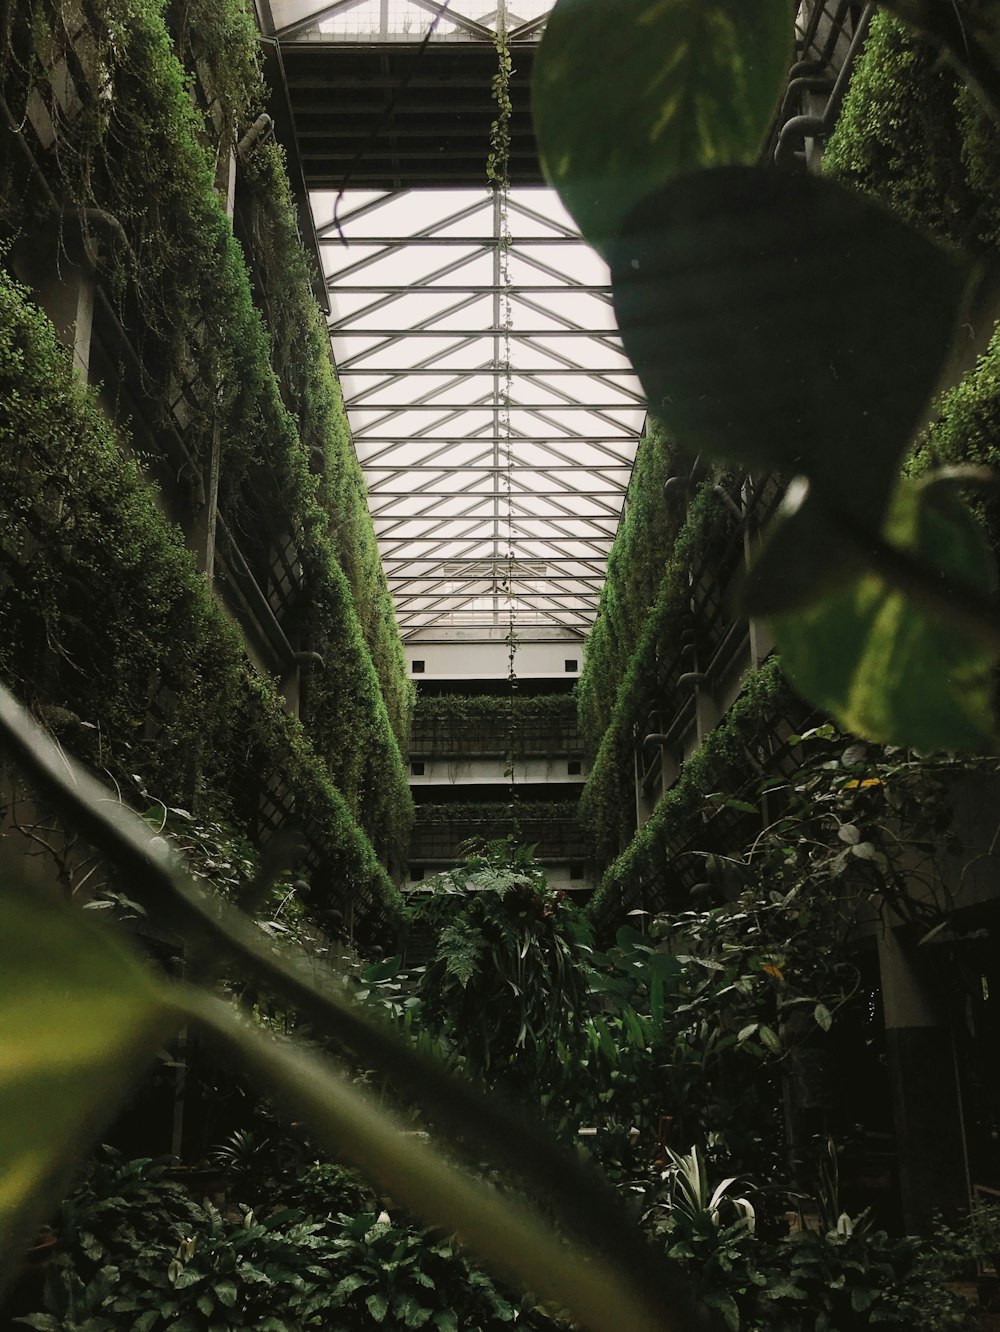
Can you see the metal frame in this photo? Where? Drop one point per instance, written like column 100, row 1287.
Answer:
column 439, row 490
column 305, row 27
column 427, row 401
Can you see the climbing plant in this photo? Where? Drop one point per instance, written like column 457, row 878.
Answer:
column 215, row 376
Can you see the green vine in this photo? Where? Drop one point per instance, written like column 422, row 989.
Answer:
column 137, row 147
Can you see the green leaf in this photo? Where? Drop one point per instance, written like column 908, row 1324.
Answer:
column 627, row 96
column 445, row 1320
column 226, row 1291
column 883, row 664
column 823, row 1016
column 378, row 1306
column 769, row 1038
column 714, row 279
column 380, row 971
column 79, row 1020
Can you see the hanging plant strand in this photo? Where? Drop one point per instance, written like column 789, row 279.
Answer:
column 498, row 174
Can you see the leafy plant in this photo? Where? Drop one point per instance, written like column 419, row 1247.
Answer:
column 102, row 983
column 829, row 410
column 384, row 1274
column 505, row 985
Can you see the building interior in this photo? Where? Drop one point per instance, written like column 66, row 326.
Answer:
column 336, row 536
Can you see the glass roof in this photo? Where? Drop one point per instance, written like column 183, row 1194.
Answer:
column 404, row 20
column 492, row 408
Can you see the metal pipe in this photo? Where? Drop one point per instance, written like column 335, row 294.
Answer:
column 800, row 128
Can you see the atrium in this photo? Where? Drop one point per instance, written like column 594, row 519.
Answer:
column 498, row 637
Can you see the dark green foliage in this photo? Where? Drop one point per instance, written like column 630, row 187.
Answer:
column 900, row 135
column 722, row 755
column 133, row 1249
column 635, row 569
column 184, row 296
column 158, row 637
column 301, row 360
column 506, row 987
column 554, row 709
column 607, row 807
column 966, row 429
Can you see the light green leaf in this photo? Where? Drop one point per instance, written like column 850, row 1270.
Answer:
column 769, row 1038
column 883, row 664
column 823, row 1016
column 714, row 279
column 378, row 1306
column 79, row 1020
column 627, row 96
column 226, row 1291
column 445, row 1320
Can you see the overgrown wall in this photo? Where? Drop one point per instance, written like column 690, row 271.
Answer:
column 914, row 137
column 101, row 611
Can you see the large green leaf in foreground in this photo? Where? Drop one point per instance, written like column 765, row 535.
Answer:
column 79, row 1019
column 628, row 95
column 884, row 662
column 780, row 322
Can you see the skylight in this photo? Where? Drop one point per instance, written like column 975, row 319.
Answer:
column 492, row 408
column 483, row 510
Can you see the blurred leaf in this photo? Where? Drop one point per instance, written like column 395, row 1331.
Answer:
column 716, row 278
column 79, row 1019
column 627, row 96
column 823, row 1016
column 884, row 666
column 508, row 1236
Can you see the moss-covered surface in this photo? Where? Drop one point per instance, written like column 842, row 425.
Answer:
column 719, row 765
column 168, row 88
column 635, row 569
column 607, row 807
column 104, row 616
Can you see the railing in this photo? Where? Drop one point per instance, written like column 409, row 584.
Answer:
column 829, row 38
column 451, row 737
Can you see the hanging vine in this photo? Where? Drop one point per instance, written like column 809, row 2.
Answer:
column 498, row 174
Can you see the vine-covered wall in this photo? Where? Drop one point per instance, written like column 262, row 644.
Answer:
column 635, row 567
column 608, row 801
column 129, row 149
column 913, row 136
column 110, row 633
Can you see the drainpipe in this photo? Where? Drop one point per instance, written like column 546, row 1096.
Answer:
column 799, row 128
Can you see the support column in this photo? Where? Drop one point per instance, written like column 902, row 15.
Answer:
column 926, row 1099
column 64, row 288
column 203, row 528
